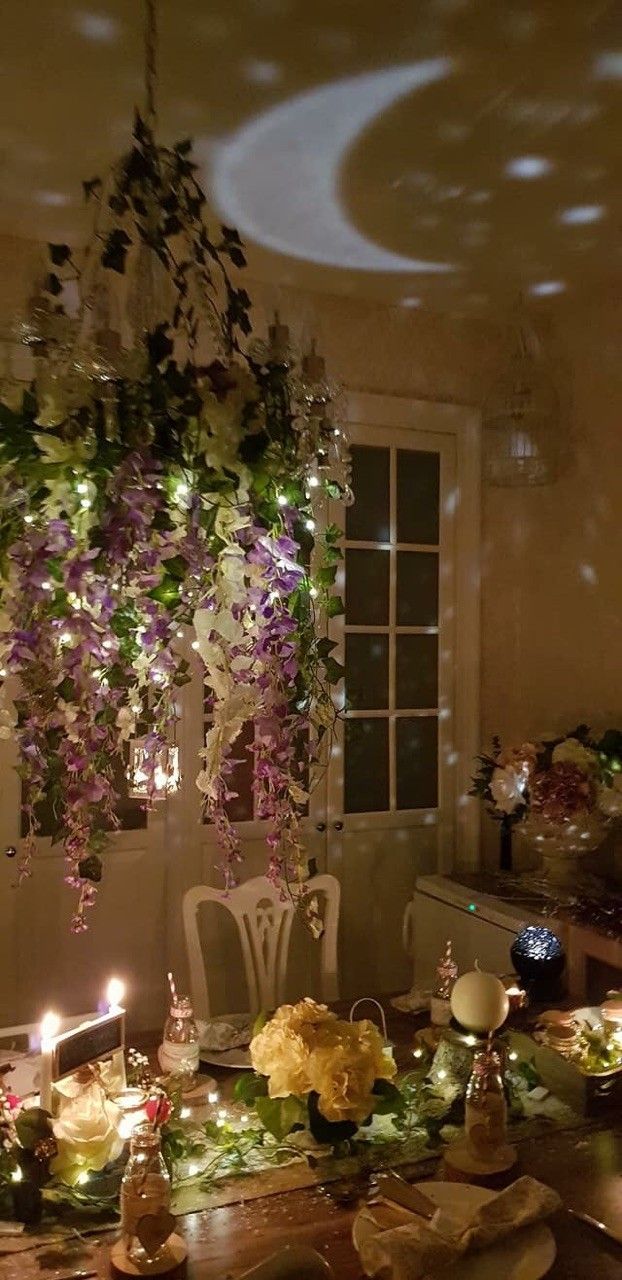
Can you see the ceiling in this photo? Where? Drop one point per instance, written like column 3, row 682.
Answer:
column 444, row 153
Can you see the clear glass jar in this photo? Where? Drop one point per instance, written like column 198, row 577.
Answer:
column 485, row 1114
column 145, row 1192
column 440, row 1000
column 179, row 1051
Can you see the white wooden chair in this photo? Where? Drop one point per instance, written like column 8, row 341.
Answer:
column 264, row 924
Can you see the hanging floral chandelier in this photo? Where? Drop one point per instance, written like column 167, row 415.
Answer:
column 158, row 479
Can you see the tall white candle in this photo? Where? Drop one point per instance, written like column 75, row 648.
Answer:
column 115, row 992
column 50, row 1026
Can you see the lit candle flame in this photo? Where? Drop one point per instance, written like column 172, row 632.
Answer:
column 115, row 992
column 50, row 1025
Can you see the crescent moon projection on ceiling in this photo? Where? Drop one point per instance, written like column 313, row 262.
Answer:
column 277, row 178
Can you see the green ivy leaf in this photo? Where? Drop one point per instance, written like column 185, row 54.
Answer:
column 389, row 1100
column 325, row 647
column 260, row 1022
column 280, row 1115
column 91, row 188
column 59, row 254
column 250, row 1086
column 334, row 670
column 91, row 868
column 333, row 534
column 325, row 576
column 335, row 607
column 33, row 1124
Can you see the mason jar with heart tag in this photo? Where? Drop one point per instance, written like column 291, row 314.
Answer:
column 146, row 1220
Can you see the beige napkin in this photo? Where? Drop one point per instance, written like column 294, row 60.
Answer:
column 232, row 1031
column 416, row 1250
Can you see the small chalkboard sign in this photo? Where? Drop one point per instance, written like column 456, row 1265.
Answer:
column 88, row 1043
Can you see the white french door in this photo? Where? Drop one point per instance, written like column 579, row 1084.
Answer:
column 392, row 803
column 408, row 726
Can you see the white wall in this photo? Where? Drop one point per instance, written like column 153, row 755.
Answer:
column 552, row 581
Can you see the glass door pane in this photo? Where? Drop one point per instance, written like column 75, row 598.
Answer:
column 391, row 629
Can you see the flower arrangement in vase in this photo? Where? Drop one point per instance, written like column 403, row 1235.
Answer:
column 560, row 792
column 316, row 1072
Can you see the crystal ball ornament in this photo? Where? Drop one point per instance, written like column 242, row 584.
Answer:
column 539, row 958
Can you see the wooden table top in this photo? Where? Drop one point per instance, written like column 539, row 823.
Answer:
column 584, row 1167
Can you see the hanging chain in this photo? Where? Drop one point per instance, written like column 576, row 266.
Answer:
column 151, row 43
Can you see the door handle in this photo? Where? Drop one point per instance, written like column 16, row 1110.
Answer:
column 11, row 851
column 338, row 826
column 320, row 826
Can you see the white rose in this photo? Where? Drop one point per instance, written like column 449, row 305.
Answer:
column 86, row 1134
column 507, row 788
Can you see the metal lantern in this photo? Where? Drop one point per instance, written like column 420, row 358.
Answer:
column 520, row 418
column 152, row 781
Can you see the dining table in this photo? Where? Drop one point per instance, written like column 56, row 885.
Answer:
column 583, row 1164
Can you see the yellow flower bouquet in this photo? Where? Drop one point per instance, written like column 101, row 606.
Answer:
column 315, row 1070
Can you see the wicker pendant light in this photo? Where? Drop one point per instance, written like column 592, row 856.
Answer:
column 520, row 416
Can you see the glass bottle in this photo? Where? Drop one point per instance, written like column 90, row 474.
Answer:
column 485, row 1116
column 179, row 1051
column 446, row 974
column 145, row 1192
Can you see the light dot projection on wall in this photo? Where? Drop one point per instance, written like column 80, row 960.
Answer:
column 608, row 65
column 546, row 288
column 528, row 167
column 97, row 26
column 355, row 146
column 581, row 215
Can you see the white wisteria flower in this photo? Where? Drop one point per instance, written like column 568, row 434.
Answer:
column 126, row 723
column 8, row 722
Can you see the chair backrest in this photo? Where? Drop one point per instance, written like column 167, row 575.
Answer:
column 264, row 925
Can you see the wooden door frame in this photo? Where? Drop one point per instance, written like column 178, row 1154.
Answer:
column 370, row 410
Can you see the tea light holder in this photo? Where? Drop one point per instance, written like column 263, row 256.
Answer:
column 516, row 995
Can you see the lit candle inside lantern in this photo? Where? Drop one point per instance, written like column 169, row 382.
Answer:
column 517, row 997
column 115, row 992
column 50, row 1026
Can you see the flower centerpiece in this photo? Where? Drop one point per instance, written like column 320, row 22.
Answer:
column 316, row 1071
column 559, row 791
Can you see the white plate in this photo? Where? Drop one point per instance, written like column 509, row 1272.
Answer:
column 525, row 1255
column 294, row 1262
column 235, row 1059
